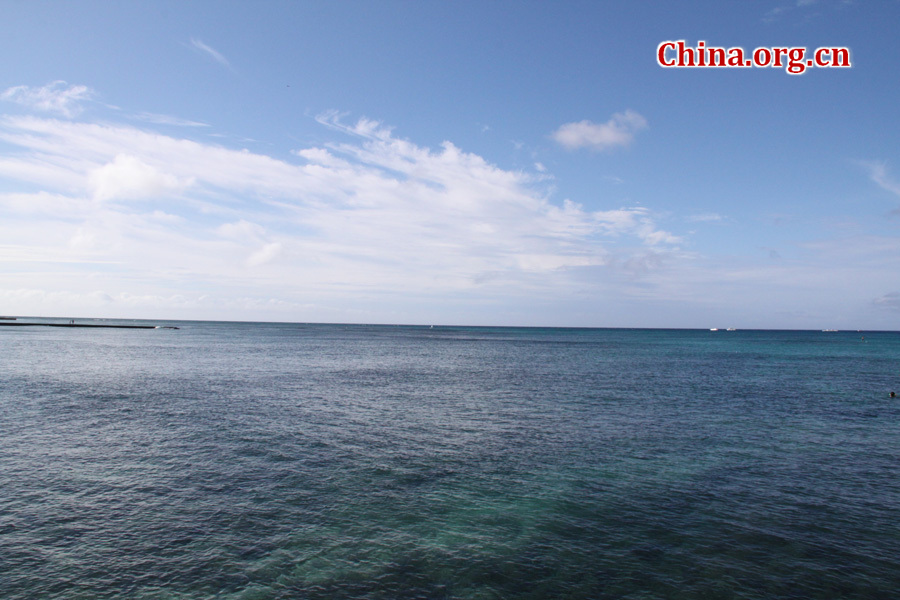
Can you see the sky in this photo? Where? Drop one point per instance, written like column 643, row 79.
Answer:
column 470, row 163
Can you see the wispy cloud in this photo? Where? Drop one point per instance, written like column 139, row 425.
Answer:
column 889, row 301
column 57, row 97
column 168, row 120
column 706, row 218
column 878, row 173
column 374, row 214
column 618, row 131
column 796, row 5
column 211, row 52
column 264, row 255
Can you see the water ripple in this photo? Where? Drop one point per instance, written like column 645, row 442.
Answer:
column 239, row 461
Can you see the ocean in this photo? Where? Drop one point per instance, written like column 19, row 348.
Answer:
column 260, row 461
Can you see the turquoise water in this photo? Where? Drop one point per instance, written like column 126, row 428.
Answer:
column 258, row 461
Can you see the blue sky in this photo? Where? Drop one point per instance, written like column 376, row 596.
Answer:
column 502, row 163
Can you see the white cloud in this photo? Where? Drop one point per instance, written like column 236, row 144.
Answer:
column 618, row 131
column 374, row 216
column 242, row 231
column 42, row 205
column 264, row 255
column 634, row 221
column 83, row 239
column 56, row 97
column 128, row 178
column 212, row 52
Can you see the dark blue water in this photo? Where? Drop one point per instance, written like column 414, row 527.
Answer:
column 261, row 461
